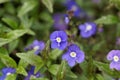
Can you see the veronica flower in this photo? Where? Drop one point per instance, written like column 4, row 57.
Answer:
column 38, row 46
column 31, row 73
column 73, row 55
column 114, row 57
column 59, row 23
column 6, row 72
column 58, row 39
column 71, row 5
column 87, row 29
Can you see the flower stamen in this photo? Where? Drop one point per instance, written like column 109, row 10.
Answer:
column 73, row 54
column 116, row 58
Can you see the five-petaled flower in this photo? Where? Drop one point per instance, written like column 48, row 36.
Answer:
column 114, row 57
column 87, row 29
column 58, row 39
column 73, row 55
column 6, row 72
column 31, row 73
column 38, row 46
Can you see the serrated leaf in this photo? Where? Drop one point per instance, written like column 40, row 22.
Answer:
column 8, row 61
column 21, row 70
column 32, row 59
column 12, row 23
column 26, row 7
column 53, row 69
column 48, row 4
column 109, row 19
column 55, row 53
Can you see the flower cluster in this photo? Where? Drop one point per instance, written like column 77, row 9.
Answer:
column 6, row 72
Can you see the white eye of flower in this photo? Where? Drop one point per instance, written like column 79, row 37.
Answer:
column 88, row 28
column 116, row 58
column 58, row 39
column 73, row 54
column 74, row 8
column 8, row 74
column 36, row 47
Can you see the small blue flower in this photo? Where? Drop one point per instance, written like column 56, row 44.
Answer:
column 71, row 5
column 6, row 72
column 31, row 73
column 58, row 39
column 59, row 23
column 114, row 57
column 38, row 46
column 67, row 20
column 73, row 55
column 87, row 29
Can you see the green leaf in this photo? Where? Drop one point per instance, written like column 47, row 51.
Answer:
column 8, row 61
column 32, row 59
column 21, row 70
column 3, row 51
column 12, row 23
column 3, row 1
column 98, row 46
column 48, row 4
column 33, row 78
column 99, row 77
column 12, row 36
column 109, row 19
column 11, row 77
column 61, row 71
column 70, row 74
column 105, row 67
column 27, row 6
column 55, row 53
column 54, row 69
column 12, row 45
column 116, row 3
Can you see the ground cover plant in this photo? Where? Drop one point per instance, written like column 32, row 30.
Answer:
column 59, row 39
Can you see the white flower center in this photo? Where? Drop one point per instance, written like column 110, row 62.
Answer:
column 73, row 54
column 88, row 28
column 74, row 8
column 36, row 47
column 58, row 39
column 8, row 74
column 116, row 58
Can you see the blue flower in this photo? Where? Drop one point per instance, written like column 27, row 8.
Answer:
column 31, row 73
column 71, row 5
column 38, row 46
column 87, row 29
column 6, row 72
column 58, row 39
column 59, row 23
column 114, row 57
column 73, row 55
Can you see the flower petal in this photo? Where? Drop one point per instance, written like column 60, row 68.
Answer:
column 71, row 62
column 115, row 65
column 54, row 44
column 66, row 56
column 80, row 57
column 111, row 54
column 63, row 45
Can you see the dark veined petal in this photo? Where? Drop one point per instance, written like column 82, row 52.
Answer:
column 111, row 54
column 63, row 45
column 115, row 65
column 71, row 62
column 80, row 57
column 54, row 44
